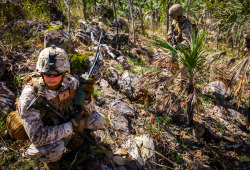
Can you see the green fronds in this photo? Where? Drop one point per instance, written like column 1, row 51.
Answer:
column 190, row 57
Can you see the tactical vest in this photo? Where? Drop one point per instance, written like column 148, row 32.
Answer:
column 63, row 102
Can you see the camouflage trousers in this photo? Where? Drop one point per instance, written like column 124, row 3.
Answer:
column 54, row 151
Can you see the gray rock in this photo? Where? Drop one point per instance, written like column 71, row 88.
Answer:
column 7, row 99
column 28, row 28
column 121, row 168
column 127, row 83
column 119, row 122
column 122, row 24
column 218, row 88
column 83, row 36
column 141, row 149
column 123, row 108
column 119, row 160
column 132, row 165
column 112, row 77
column 104, row 83
column 105, row 11
column 56, row 23
column 2, row 67
column 59, row 38
column 123, row 61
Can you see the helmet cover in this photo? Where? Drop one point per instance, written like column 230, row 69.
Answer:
column 58, row 56
column 176, row 10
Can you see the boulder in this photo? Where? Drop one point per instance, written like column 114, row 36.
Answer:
column 59, row 38
column 119, row 122
column 127, row 83
column 83, row 37
column 112, row 40
column 112, row 77
column 123, row 61
column 2, row 67
column 218, row 88
column 27, row 28
column 123, row 108
column 119, row 160
column 7, row 99
column 121, row 23
column 141, row 148
column 105, row 11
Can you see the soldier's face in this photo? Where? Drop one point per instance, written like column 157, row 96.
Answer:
column 52, row 81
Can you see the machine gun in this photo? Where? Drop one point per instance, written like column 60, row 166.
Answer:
column 81, row 94
column 41, row 102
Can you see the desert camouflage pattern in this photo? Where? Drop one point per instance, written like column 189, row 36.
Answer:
column 186, row 30
column 62, row 60
column 48, row 142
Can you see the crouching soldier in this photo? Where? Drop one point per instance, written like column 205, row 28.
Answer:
column 48, row 132
column 181, row 30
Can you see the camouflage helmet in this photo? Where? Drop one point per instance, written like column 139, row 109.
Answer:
column 176, row 10
column 53, row 59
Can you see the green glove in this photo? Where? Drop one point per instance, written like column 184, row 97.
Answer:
column 89, row 87
column 79, row 123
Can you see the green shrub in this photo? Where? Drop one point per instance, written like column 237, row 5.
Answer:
column 79, row 62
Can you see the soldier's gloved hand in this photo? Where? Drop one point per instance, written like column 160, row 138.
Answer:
column 89, row 87
column 79, row 123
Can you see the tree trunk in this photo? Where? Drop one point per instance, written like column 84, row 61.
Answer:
column 21, row 5
column 190, row 108
column 69, row 18
column 240, row 37
column 167, row 11
column 117, row 33
column 84, row 9
column 217, row 38
column 131, row 14
column 142, row 26
column 152, row 17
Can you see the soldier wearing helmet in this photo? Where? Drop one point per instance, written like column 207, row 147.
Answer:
column 49, row 137
column 182, row 31
column 182, row 26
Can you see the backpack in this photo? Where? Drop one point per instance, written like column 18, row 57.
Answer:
column 14, row 122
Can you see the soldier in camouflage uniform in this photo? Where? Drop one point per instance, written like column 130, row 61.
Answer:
column 48, row 135
column 182, row 34
column 182, row 26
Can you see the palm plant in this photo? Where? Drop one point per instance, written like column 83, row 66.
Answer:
column 234, row 17
column 191, row 58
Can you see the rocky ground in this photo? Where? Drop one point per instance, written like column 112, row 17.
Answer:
column 141, row 100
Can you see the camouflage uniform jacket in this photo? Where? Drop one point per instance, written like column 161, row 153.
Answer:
column 48, row 142
column 186, row 30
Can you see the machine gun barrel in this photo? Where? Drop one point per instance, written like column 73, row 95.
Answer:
column 40, row 101
column 96, row 56
column 83, row 79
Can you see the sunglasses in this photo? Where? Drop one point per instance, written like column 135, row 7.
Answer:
column 54, row 74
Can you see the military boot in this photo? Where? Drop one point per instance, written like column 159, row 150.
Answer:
column 52, row 165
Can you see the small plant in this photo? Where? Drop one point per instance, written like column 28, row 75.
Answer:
column 119, row 67
column 53, row 27
column 78, row 62
column 97, row 93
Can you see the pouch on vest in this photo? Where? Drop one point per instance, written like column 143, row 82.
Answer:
column 15, row 126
